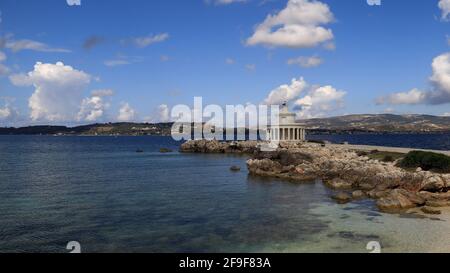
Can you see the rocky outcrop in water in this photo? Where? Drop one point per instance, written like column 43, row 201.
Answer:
column 355, row 176
column 214, row 146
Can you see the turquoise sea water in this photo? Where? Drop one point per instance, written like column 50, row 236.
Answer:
column 100, row 192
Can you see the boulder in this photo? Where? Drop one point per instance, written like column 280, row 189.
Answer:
column 342, row 197
column 235, row 168
column 438, row 204
column 165, row 150
column 376, row 193
column 399, row 199
column 338, row 183
column 430, row 210
column 358, row 194
column 433, row 183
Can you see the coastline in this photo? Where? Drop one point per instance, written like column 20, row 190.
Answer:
column 352, row 175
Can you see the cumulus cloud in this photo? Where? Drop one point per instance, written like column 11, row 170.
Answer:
column 444, row 5
column 306, row 62
column 126, row 113
column 286, row 93
column 319, row 101
column 309, row 101
column 19, row 45
column 440, row 87
column 94, row 107
column 299, row 25
column 8, row 114
column 145, row 41
column 163, row 113
column 58, row 90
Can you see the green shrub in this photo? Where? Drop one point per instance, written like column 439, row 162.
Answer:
column 362, row 153
column 426, row 161
column 388, row 158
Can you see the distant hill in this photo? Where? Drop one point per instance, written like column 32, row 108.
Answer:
column 343, row 124
column 381, row 123
column 132, row 129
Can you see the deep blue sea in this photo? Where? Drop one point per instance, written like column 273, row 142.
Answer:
column 100, row 192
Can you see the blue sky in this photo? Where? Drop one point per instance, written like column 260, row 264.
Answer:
column 152, row 55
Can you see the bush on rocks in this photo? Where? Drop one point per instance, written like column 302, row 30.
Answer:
column 427, row 161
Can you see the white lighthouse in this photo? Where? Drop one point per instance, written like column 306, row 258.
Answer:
column 287, row 129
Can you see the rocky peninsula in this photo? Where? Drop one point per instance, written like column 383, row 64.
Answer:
column 353, row 175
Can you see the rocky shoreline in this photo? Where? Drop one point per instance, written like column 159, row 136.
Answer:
column 353, row 176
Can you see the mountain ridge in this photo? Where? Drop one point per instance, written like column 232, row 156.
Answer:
column 362, row 123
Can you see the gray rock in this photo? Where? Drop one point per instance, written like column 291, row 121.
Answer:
column 342, row 197
column 430, row 210
column 358, row 194
column 235, row 168
column 338, row 183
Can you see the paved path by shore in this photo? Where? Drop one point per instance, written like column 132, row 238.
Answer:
column 385, row 149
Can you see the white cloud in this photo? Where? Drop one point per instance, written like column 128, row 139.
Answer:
column 8, row 114
column 250, row 67
column 163, row 113
column 446, row 114
column 4, row 70
column 94, row 107
column 224, row 2
column 126, row 113
column 160, row 115
column 286, row 93
column 440, row 83
column 299, row 25
column 58, row 90
column 73, row 2
column 123, row 60
column 148, row 40
column 102, row 93
column 320, row 101
column 2, row 56
column 230, row 61
column 317, row 100
column 330, row 46
column 444, row 5
column 19, row 45
column 306, row 62
column 112, row 63
column 414, row 96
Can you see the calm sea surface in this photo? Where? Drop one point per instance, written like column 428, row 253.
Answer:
column 100, row 192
